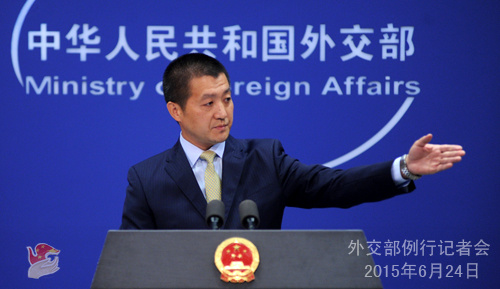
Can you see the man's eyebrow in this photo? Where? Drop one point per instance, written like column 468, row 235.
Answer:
column 210, row 95
column 207, row 95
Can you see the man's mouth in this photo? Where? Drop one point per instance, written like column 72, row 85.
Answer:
column 221, row 127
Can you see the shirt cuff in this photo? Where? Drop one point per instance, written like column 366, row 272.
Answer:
column 396, row 174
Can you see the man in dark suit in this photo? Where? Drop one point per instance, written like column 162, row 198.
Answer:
column 169, row 190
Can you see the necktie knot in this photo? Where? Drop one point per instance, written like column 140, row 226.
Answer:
column 209, row 156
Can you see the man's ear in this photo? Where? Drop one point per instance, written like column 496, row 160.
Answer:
column 175, row 110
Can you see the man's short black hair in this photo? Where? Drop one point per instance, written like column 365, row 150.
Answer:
column 179, row 73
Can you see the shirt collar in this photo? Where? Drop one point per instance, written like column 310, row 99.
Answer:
column 193, row 152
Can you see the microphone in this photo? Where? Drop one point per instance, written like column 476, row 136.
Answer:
column 249, row 214
column 215, row 214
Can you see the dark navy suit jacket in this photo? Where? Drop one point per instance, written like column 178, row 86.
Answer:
column 164, row 194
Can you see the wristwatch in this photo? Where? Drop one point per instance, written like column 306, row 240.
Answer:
column 404, row 170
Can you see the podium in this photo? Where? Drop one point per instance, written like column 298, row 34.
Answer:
column 185, row 259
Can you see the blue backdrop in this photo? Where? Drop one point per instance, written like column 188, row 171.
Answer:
column 339, row 83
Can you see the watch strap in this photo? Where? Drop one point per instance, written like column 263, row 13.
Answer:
column 404, row 170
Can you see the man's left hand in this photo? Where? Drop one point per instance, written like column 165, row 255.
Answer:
column 426, row 159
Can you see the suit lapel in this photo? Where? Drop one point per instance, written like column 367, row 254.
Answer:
column 177, row 166
column 232, row 167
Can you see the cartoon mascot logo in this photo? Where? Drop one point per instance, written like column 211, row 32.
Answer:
column 41, row 263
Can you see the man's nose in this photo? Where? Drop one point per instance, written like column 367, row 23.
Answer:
column 220, row 112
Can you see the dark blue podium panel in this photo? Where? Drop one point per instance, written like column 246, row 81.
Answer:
column 185, row 259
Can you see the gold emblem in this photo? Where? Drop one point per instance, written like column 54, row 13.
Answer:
column 237, row 259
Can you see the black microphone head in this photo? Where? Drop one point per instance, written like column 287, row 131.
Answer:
column 215, row 214
column 249, row 214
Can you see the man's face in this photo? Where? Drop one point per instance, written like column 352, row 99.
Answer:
column 208, row 115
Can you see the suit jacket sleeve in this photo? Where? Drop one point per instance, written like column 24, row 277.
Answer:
column 137, row 213
column 317, row 186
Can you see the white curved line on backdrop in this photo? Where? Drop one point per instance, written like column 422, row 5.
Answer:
column 14, row 44
column 374, row 139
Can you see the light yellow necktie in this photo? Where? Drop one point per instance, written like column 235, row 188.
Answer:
column 212, row 180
